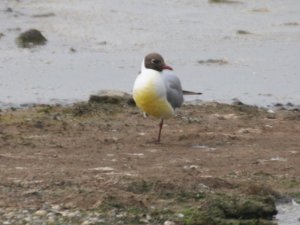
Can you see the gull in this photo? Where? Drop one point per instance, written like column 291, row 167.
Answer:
column 157, row 91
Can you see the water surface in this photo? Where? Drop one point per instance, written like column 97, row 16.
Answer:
column 111, row 38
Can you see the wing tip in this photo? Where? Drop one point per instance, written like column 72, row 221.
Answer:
column 191, row 93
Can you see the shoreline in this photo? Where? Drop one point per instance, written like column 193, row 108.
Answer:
column 93, row 162
column 235, row 101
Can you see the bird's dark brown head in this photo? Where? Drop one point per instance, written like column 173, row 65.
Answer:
column 156, row 62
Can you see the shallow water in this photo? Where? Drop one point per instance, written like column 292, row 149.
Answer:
column 288, row 214
column 111, row 38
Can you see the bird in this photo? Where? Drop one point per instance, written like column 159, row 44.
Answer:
column 157, row 91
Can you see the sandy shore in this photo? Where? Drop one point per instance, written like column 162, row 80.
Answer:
column 96, row 162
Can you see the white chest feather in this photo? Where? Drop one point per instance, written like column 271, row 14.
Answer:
column 149, row 93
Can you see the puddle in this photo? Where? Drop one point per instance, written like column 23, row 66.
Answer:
column 288, row 214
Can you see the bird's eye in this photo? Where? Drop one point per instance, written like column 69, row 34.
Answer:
column 155, row 61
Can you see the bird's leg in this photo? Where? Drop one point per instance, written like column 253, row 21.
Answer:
column 160, row 127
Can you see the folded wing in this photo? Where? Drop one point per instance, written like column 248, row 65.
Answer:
column 173, row 88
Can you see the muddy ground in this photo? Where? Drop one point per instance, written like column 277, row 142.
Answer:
column 97, row 164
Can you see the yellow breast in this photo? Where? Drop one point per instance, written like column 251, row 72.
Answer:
column 150, row 96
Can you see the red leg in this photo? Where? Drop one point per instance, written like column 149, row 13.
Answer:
column 160, row 128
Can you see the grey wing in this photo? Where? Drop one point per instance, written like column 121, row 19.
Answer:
column 174, row 89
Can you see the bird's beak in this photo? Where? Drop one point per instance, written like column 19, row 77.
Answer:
column 166, row 67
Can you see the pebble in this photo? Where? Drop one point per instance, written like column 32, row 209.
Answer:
column 180, row 215
column 104, row 169
column 40, row 212
column 191, row 167
column 73, row 214
column 249, row 131
column 48, row 214
column 168, row 222
column 110, row 96
column 30, row 38
column 56, row 207
column 87, row 222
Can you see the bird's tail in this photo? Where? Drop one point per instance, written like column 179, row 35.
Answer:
column 190, row 93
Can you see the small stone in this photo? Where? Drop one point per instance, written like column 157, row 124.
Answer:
column 94, row 220
column 110, row 96
column 121, row 215
column 73, row 214
column 30, row 38
column 72, row 50
column 143, row 220
column 168, row 222
column 31, row 192
column 230, row 116
column 236, row 101
column 243, row 32
column 148, row 217
column 180, row 215
column 138, row 154
column 278, row 105
column 190, row 167
column 43, row 15
column 65, row 213
column 20, row 168
column 249, row 131
column 40, row 212
column 69, row 205
column 277, row 158
column 111, row 140
column 225, row 117
column 271, row 114
column 104, row 169
column 86, row 222
column 56, row 207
